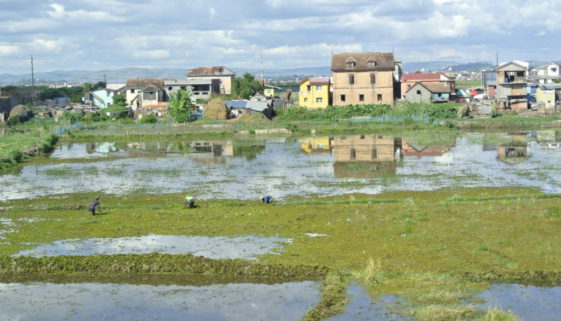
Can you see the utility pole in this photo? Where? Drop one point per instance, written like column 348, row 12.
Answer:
column 32, row 82
column 262, row 79
column 105, row 80
column 497, row 57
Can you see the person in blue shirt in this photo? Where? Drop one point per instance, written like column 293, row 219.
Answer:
column 267, row 199
column 93, row 204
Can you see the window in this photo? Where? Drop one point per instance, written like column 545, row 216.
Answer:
column 362, row 137
column 374, row 153
column 353, row 154
column 351, row 79
column 361, row 97
column 318, row 88
column 553, row 69
column 372, row 78
column 319, row 100
column 520, row 74
column 418, row 92
column 379, row 98
column 372, row 64
column 170, row 88
column 305, row 100
column 308, row 88
column 351, row 64
column 132, row 91
column 343, row 98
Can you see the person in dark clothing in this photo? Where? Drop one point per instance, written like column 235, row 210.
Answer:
column 267, row 199
column 189, row 201
column 93, row 204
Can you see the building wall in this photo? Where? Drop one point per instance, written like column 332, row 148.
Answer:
column 106, row 98
column 130, row 94
column 363, row 86
column 413, row 95
column 546, row 97
column 269, row 92
column 309, row 98
column 223, row 84
column 364, row 148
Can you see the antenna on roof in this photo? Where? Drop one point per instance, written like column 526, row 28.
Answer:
column 497, row 57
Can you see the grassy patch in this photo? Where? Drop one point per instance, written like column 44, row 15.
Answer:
column 333, row 298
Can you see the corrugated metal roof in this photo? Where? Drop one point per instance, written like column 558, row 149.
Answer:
column 236, row 104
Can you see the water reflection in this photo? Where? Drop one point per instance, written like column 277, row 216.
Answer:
column 232, row 169
column 362, row 308
column 240, row 247
column 91, row 301
column 527, row 302
column 198, row 149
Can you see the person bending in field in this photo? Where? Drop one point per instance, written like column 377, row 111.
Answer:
column 93, row 204
column 267, row 199
column 189, row 202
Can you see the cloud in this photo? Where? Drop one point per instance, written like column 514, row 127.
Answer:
column 59, row 12
column 151, row 54
column 8, row 50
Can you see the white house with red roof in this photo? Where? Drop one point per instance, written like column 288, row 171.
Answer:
column 409, row 80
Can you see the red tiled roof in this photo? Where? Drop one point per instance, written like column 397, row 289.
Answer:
column 211, row 71
column 419, row 76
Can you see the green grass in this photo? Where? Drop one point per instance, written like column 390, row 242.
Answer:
column 435, row 250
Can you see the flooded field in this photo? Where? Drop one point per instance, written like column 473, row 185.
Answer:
column 361, row 307
column 219, row 302
column 286, row 167
column 241, row 247
column 530, row 303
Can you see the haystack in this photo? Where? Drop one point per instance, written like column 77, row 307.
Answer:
column 20, row 111
column 216, row 109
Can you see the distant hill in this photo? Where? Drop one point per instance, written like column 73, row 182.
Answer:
column 121, row 75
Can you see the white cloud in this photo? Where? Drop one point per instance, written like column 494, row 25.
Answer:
column 59, row 12
column 152, row 54
column 8, row 50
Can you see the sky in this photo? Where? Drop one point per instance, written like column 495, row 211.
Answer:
column 114, row 34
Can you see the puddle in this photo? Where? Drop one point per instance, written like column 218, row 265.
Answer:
column 6, row 225
column 368, row 164
column 529, row 303
column 313, row 235
column 90, row 301
column 240, row 247
column 362, row 308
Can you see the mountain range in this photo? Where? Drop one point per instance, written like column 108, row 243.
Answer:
column 121, row 75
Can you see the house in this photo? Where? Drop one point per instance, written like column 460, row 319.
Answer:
column 512, row 85
column 409, row 80
column 271, row 91
column 100, row 98
column 430, row 92
column 142, row 92
column 547, row 74
column 489, row 82
column 548, row 96
column 200, row 88
column 223, row 76
column 314, row 93
column 363, row 78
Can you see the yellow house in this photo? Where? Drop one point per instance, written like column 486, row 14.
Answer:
column 314, row 93
column 315, row 144
column 548, row 95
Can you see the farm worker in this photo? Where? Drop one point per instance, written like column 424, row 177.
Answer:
column 189, row 201
column 267, row 199
column 93, row 204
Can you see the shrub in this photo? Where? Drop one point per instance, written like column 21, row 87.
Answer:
column 149, row 119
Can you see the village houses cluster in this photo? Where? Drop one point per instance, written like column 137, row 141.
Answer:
column 359, row 78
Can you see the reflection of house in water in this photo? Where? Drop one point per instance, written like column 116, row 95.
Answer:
column 365, row 156
column 414, row 149
column 217, row 151
column 315, row 144
column 514, row 151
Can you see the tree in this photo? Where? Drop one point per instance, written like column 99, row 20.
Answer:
column 119, row 107
column 119, row 100
column 246, row 86
column 180, row 106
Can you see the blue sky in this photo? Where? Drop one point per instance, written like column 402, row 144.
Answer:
column 112, row 34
